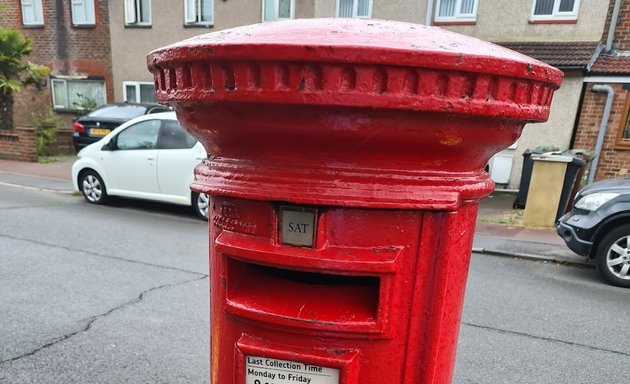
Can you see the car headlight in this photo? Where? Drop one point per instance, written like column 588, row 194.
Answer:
column 595, row 200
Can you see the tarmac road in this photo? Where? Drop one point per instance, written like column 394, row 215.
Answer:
column 92, row 294
column 543, row 323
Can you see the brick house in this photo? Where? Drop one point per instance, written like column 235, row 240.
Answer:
column 563, row 33
column 612, row 69
column 98, row 47
column 73, row 39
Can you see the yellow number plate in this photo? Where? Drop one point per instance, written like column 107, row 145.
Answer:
column 99, row 132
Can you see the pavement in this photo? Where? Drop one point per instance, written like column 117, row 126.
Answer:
column 500, row 232
column 499, row 228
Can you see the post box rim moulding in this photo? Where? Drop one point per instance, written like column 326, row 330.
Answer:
column 350, row 112
column 357, row 42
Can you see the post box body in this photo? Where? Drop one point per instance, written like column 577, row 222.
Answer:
column 378, row 297
column 345, row 167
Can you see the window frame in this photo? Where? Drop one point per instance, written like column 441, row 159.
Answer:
column 137, row 85
column 620, row 143
column 89, row 21
column 355, row 9
column 136, row 6
column 36, row 5
column 457, row 17
column 189, row 23
column 556, row 15
column 62, row 108
column 277, row 10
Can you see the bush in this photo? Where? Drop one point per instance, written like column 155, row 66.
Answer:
column 46, row 125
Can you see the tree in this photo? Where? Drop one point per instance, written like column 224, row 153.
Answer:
column 14, row 75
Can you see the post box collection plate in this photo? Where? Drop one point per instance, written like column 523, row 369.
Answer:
column 298, row 226
column 263, row 370
column 383, row 128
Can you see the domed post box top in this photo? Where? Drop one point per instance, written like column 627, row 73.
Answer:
column 350, row 112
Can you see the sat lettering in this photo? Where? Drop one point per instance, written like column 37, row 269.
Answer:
column 298, row 227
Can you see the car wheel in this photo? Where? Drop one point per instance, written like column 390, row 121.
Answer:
column 613, row 256
column 93, row 187
column 200, row 204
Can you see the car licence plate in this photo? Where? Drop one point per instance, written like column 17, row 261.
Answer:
column 99, row 132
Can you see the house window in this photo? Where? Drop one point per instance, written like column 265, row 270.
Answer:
column 623, row 137
column 138, row 92
column 32, row 13
column 199, row 12
column 137, row 12
column 354, row 8
column 83, row 12
column 456, row 10
column 73, row 95
column 278, row 9
column 555, row 9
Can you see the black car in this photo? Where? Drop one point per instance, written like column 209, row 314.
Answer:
column 598, row 227
column 98, row 123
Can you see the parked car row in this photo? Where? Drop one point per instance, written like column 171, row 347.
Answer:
column 149, row 157
column 98, row 123
column 131, row 150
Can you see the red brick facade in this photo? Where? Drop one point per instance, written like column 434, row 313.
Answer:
column 614, row 158
column 614, row 161
column 622, row 32
column 68, row 50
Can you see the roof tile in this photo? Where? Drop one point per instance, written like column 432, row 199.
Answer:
column 611, row 65
column 563, row 54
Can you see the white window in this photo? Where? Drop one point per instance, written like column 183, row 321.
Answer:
column 138, row 92
column 555, row 9
column 137, row 12
column 83, row 12
column 456, row 10
column 32, row 13
column 278, row 9
column 199, row 12
column 354, row 8
column 71, row 94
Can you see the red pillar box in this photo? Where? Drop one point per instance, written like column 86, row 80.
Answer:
column 345, row 167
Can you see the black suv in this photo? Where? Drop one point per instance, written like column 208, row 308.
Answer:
column 92, row 127
column 598, row 227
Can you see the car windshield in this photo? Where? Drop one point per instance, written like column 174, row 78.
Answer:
column 119, row 111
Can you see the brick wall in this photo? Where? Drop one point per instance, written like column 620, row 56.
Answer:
column 9, row 145
column 18, row 144
column 622, row 32
column 614, row 162
column 63, row 143
column 67, row 50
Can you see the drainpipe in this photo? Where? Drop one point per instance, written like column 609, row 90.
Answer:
column 429, row 18
column 613, row 26
column 610, row 95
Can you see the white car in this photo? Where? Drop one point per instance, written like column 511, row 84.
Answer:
column 150, row 157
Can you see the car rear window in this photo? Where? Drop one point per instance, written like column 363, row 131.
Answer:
column 119, row 111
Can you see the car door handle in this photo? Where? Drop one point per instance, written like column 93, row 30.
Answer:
column 150, row 158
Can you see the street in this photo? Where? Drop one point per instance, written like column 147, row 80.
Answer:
column 119, row 294
column 94, row 294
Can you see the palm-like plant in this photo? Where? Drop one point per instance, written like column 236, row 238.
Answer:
column 14, row 75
